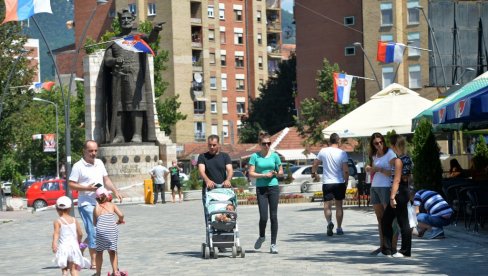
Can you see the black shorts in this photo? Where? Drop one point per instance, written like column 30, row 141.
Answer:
column 175, row 184
column 334, row 191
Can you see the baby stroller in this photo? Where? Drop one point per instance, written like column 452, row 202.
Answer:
column 221, row 223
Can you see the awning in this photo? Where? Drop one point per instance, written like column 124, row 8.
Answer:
column 295, row 154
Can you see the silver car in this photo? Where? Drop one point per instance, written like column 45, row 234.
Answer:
column 303, row 176
column 7, row 188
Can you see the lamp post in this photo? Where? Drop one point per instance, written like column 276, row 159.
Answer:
column 434, row 40
column 358, row 44
column 67, row 104
column 57, row 131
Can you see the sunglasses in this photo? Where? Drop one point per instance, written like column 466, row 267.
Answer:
column 266, row 144
column 378, row 143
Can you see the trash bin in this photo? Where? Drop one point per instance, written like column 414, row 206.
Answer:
column 148, row 191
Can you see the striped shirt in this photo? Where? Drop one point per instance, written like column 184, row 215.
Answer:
column 433, row 203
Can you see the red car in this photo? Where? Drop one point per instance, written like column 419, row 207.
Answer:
column 46, row 192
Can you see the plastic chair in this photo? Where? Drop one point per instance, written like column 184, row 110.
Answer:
column 477, row 206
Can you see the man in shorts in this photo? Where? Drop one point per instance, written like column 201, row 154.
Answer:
column 174, row 172
column 334, row 179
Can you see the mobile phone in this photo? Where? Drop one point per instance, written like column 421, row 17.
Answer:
column 98, row 185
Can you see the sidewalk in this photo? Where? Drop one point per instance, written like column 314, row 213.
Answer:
column 166, row 239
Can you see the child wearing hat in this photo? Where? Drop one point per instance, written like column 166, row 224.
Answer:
column 104, row 218
column 66, row 240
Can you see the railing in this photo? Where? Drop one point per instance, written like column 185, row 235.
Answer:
column 199, row 136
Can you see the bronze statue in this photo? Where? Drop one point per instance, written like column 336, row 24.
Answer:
column 127, row 88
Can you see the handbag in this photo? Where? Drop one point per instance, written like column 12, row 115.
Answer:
column 412, row 216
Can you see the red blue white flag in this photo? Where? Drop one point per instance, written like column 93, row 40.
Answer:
column 342, row 88
column 389, row 52
column 18, row 10
column 134, row 43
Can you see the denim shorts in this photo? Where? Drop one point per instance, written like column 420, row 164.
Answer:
column 86, row 214
column 380, row 195
column 434, row 221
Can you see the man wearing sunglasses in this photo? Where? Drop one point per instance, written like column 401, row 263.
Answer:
column 334, row 179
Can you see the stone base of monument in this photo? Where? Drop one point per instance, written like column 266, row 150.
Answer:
column 128, row 165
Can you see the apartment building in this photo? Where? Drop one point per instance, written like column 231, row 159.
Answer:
column 220, row 52
column 347, row 33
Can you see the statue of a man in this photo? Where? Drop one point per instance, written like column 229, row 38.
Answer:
column 130, row 112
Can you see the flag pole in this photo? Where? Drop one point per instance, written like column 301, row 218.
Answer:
column 358, row 77
column 418, row 48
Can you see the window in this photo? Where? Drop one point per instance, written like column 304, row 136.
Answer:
column 413, row 13
column 350, row 51
column 238, row 15
column 224, row 106
column 213, row 83
column 260, row 62
column 223, row 59
column 222, row 37
column 240, row 82
column 223, row 80
column 238, row 37
column 215, row 130
column 210, row 11
column 133, row 8
column 151, row 9
column 386, row 14
column 260, row 38
column 213, row 107
column 225, row 128
column 221, row 11
column 387, row 75
column 239, row 59
column 386, row 37
column 212, row 58
column 414, row 76
column 241, row 108
column 198, row 107
column 200, row 131
column 348, row 20
column 414, row 40
column 258, row 16
column 211, row 35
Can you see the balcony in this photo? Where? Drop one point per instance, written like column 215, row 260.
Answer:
column 274, row 51
column 195, row 20
column 274, row 27
column 200, row 136
column 273, row 5
column 196, row 41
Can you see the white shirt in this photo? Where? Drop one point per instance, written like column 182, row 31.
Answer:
column 87, row 174
column 158, row 173
column 332, row 161
column 380, row 179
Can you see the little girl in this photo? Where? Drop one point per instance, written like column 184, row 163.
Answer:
column 107, row 230
column 66, row 240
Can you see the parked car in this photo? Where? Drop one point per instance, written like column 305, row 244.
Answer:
column 46, row 192
column 303, row 175
column 238, row 174
column 7, row 188
column 27, row 183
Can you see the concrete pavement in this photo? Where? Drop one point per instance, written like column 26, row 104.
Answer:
column 166, row 240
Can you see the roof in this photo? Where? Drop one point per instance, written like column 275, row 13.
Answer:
column 295, row 154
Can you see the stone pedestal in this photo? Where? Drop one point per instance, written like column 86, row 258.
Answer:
column 128, row 165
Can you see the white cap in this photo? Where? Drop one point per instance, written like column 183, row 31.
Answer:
column 63, row 202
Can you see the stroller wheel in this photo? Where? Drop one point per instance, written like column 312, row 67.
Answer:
column 215, row 254
column 234, row 251
column 203, row 250
column 243, row 253
column 207, row 252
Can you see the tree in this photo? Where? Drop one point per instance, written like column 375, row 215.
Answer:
column 273, row 110
column 427, row 170
column 321, row 110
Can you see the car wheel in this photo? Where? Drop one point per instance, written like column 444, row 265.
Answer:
column 303, row 187
column 39, row 203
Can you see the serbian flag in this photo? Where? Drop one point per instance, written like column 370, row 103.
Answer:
column 37, row 86
column 134, row 43
column 18, row 10
column 389, row 52
column 342, row 88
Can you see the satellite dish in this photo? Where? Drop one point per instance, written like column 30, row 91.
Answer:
column 197, row 77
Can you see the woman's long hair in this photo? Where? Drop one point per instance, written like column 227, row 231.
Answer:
column 372, row 149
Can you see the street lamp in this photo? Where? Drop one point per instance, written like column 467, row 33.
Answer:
column 57, row 131
column 67, row 103
column 434, row 40
column 358, row 44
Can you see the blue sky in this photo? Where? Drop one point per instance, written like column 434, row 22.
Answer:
column 287, row 5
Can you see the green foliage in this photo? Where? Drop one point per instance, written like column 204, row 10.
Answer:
column 321, row 110
column 389, row 134
column 249, row 132
column 480, row 157
column 273, row 110
column 427, row 170
column 239, row 183
column 194, row 182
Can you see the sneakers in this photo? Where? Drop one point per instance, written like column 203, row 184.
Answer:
column 273, row 249
column 330, row 227
column 436, row 233
column 259, row 242
column 381, row 254
column 376, row 251
column 398, row 255
column 339, row 231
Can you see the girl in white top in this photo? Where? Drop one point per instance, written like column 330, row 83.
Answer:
column 66, row 240
column 381, row 158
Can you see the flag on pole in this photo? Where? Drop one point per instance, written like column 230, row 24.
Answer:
column 49, row 142
column 37, row 86
column 18, row 10
column 342, row 88
column 389, row 52
column 134, row 43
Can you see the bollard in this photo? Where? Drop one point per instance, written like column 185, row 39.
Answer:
column 148, row 191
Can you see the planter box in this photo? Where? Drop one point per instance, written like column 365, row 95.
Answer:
column 192, row 195
column 281, row 201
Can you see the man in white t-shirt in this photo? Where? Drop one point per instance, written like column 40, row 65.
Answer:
column 159, row 174
column 87, row 175
column 334, row 179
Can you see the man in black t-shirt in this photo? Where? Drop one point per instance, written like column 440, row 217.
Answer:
column 175, row 180
column 214, row 166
